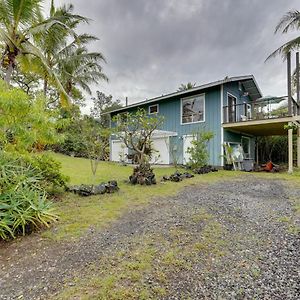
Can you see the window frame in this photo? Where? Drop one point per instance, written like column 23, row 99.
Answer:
column 235, row 107
column 192, row 97
column 153, row 113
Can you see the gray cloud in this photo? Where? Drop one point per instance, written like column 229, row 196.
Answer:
column 152, row 46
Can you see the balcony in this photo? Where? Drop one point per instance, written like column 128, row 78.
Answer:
column 265, row 116
column 261, row 109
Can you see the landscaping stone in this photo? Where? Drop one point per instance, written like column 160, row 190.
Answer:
column 177, row 176
column 205, row 170
column 89, row 190
column 143, row 175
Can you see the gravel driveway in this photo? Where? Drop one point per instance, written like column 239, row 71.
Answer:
column 236, row 239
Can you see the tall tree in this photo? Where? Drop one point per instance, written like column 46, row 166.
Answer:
column 19, row 22
column 289, row 22
column 184, row 87
column 102, row 104
column 80, row 68
column 56, row 40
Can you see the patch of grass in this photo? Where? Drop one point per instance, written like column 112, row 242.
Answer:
column 78, row 214
column 146, row 269
column 284, row 219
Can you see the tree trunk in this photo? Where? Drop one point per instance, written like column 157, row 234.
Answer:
column 9, row 72
column 45, row 86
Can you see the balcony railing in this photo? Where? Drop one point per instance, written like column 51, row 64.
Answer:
column 259, row 110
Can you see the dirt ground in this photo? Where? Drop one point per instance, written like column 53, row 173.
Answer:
column 237, row 239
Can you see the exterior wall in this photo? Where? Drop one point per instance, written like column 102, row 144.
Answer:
column 215, row 99
column 237, row 91
column 171, row 110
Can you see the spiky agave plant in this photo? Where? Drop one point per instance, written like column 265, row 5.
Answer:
column 23, row 203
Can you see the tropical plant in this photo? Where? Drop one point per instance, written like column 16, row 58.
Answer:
column 20, row 21
column 25, row 123
column 289, row 22
column 23, row 202
column 104, row 104
column 136, row 130
column 198, row 151
column 80, row 68
column 188, row 86
column 56, row 40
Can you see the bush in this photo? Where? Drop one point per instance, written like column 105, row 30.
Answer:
column 23, row 201
column 49, row 169
column 198, row 151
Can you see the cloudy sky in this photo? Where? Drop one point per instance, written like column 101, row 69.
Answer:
column 152, row 46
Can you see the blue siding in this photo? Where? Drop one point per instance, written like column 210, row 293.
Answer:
column 233, row 88
column 170, row 109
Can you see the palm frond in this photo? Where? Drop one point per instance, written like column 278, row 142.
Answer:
column 290, row 21
column 283, row 50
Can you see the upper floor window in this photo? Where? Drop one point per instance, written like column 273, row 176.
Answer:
column 153, row 109
column 193, row 109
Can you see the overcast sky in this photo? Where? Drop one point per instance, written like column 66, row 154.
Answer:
column 152, row 46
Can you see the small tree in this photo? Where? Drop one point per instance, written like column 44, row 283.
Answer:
column 102, row 104
column 136, row 130
column 198, row 151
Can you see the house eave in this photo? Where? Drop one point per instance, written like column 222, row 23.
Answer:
column 195, row 89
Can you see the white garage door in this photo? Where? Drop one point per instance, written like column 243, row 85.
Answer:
column 161, row 155
column 118, row 151
column 187, row 142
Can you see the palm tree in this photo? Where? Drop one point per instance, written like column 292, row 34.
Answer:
column 56, row 40
column 79, row 68
column 19, row 22
column 184, row 87
column 290, row 21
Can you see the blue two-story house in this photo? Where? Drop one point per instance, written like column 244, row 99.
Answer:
column 203, row 108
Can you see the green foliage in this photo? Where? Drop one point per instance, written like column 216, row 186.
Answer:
column 198, row 151
column 23, row 201
column 49, row 169
column 84, row 137
column 136, row 129
column 272, row 148
column 25, row 123
column 185, row 87
column 103, row 104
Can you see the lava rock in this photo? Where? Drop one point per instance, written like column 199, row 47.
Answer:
column 143, row 175
column 205, row 170
column 89, row 190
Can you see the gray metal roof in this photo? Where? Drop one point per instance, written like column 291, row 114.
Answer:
column 248, row 81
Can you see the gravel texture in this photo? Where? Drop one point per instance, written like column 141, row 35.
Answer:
column 247, row 249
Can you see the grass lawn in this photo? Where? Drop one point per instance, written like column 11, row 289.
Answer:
column 78, row 214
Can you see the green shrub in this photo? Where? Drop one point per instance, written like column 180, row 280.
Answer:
column 49, row 169
column 198, row 151
column 23, row 200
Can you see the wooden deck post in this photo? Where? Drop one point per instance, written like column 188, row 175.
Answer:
column 298, row 147
column 290, row 150
column 297, row 83
column 289, row 83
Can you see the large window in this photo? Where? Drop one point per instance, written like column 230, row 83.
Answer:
column 193, row 109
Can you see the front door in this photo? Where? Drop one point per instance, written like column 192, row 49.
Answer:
column 231, row 109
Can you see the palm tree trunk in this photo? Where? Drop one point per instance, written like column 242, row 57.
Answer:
column 9, row 72
column 45, row 86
